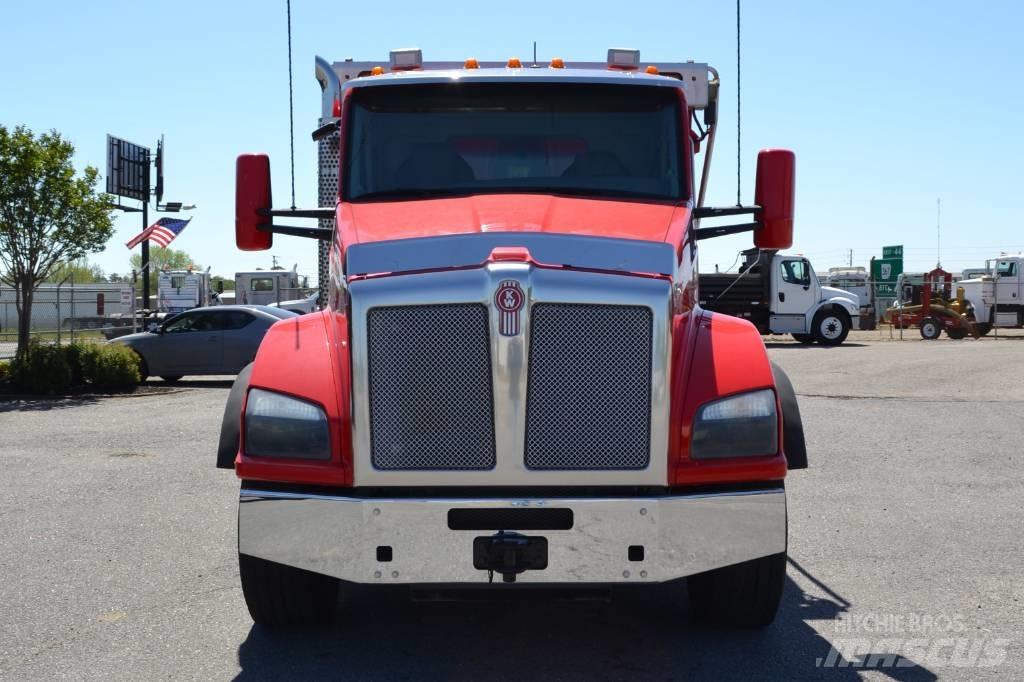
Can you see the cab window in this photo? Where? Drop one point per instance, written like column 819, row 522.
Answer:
column 794, row 272
column 261, row 284
column 1007, row 268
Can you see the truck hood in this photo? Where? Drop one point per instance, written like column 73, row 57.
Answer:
column 832, row 292
column 645, row 220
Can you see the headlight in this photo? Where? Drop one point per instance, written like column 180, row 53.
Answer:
column 279, row 426
column 744, row 425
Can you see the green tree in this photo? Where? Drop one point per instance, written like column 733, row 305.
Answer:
column 229, row 282
column 160, row 259
column 48, row 214
column 79, row 271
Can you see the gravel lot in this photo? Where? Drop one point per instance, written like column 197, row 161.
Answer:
column 117, row 549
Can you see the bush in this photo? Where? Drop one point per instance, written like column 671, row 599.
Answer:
column 42, row 369
column 58, row 369
column 5, row 370
column 112, row 367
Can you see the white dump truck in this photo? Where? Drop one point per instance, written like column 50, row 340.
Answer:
column 781, row 294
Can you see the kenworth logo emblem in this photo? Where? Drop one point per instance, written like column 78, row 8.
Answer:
column 509, row 300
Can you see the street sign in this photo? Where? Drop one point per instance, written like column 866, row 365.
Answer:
column 127, row 169
column 127, row 294
column 892, row 251
column 884, row 272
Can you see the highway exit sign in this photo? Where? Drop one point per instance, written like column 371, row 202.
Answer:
column 892, row 251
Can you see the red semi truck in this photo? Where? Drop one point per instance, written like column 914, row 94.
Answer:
column 512, row 383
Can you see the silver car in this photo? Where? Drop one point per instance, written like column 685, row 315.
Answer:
column 214, row 340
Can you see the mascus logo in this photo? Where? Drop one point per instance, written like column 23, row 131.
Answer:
column 509, row 300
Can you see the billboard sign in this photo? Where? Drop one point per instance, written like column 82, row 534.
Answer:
column 127, row 169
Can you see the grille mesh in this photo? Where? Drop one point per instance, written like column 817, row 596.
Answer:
column 431, row 402
column 327, row 194
column 589, row 387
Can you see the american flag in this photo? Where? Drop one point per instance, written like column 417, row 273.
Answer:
column 162, row 232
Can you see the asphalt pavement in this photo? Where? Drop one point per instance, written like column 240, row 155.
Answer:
column 117, row 548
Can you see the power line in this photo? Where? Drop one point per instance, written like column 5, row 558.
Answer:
column 291, row 106
column 739, row 201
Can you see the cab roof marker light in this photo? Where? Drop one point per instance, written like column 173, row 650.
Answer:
column 557, row 63
column 623, row 58
column 406, row 59
column 514, row 63
column 471, row 63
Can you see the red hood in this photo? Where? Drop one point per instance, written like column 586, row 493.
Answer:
column 511, row 213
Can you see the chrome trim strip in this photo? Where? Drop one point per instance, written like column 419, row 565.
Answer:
column 463, row 250
column 682, row 535
column 509, row 357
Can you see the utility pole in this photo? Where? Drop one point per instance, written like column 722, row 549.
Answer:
column 938, row 232
column 851, row 258
column 145, row 242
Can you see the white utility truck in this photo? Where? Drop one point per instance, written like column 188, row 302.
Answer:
column 997, row 299
column 780, row 294
column 181, row 290
column 269, row 287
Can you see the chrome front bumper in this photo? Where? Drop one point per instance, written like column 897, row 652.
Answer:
column 681, row 535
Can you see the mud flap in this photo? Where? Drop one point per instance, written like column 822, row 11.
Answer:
column 792, row 427
column 230, row 425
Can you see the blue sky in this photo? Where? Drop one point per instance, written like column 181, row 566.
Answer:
column 888, row 105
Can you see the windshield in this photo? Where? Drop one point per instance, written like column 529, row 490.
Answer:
column 455, row 139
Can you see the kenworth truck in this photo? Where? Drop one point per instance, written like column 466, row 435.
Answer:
column 512, row 384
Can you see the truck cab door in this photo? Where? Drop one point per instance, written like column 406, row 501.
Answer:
column 793, row 294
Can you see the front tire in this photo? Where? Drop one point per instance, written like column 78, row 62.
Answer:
column 282, row 596
column 931, row 329
column 831, row 327
column 745, row 595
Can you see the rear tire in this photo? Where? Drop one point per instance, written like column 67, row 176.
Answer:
column 744, row 595
column 282, row 596
column 806, row 339
column 930, row 328
column 831, row 327
column 174, row 378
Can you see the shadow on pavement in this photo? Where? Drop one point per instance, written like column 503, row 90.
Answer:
column 44, row 404
column 193, row 382
column 795, row 345
column 641, row 633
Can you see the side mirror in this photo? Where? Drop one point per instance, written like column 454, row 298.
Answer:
column 252, row 195
column 773, row 192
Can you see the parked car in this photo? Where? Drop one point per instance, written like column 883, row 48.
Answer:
column 212, row 340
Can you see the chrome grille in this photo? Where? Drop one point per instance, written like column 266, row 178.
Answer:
column 431, row 403
column 588, row 403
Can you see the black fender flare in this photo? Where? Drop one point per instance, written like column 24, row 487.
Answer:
column 793, row 443
column 230, row 425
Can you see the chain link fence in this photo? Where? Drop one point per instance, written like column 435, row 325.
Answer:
column 70, row 313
